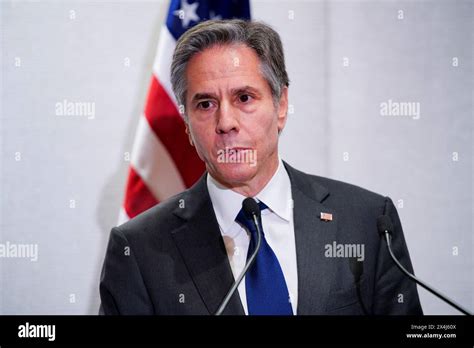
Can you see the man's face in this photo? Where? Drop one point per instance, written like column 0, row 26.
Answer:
column 232, row 119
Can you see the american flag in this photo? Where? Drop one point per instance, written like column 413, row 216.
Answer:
column 163, row 162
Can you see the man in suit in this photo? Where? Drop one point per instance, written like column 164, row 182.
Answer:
column 182, row 256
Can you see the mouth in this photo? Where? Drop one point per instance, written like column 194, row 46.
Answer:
column 233, row 149
column 237, row 148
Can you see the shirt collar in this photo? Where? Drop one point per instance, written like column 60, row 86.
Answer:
column 227, row 203
column 277, row 193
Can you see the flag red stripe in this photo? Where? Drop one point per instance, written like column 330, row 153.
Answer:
column 138, row 197
column 168, row 125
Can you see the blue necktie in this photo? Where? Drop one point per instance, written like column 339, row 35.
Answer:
column 265, row 286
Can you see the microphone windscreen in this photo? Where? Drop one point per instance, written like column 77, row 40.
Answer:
column 250, row 207
column 384, row 223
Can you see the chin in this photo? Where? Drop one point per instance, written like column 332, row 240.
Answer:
column 235, row 173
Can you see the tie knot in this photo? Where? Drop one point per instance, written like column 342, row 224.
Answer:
column 246, row 221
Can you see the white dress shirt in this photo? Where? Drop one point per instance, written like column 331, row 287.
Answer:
column 277, row 224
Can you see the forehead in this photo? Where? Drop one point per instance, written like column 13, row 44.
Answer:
column 222, row 62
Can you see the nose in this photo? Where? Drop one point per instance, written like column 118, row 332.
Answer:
column 227, row 119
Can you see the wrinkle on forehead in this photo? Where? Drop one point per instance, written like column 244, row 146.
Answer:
column 223, row 65
column 219, row 61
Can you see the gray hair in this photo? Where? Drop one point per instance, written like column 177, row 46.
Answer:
column 256, row 35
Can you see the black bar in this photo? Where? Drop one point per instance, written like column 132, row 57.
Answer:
column 261, row 330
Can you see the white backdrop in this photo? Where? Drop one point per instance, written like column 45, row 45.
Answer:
column 63, row 177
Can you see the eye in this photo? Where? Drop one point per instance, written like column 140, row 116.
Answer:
column 206, row 104
column 244, row 98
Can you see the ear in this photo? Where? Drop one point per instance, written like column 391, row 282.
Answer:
column 186, row 125
column 282, row 109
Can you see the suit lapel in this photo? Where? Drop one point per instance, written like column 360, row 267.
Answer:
column 315, row 271
column 201, row 245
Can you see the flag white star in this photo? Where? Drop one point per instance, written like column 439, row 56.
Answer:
column 187, row 13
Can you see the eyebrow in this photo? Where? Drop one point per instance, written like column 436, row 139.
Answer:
column 233, row 91
column 245, row 89
column 205, row 95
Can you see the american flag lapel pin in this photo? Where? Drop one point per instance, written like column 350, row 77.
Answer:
column 325, row 216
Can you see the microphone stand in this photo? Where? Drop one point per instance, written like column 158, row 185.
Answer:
column 420, row 282
column 248, row 264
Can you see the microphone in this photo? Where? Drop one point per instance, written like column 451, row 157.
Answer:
column 385, row 228
column 252, row 211
column 357, row 269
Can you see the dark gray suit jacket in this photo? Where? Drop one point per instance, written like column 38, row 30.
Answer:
column 172, row 260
